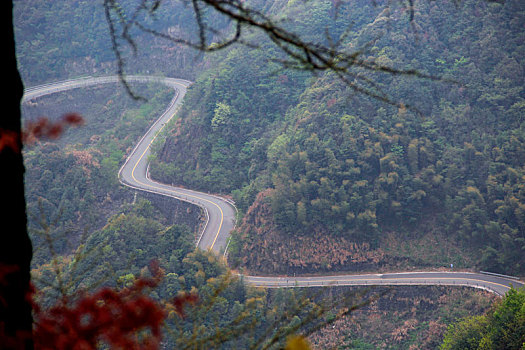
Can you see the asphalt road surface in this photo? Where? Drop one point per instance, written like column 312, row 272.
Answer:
column 221, row 213
column 497, row 284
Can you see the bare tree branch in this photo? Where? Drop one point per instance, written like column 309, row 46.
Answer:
column 296, row 52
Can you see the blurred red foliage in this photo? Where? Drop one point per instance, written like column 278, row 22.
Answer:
column 121, row 319
column 183, row 299
column 42, row 128
column 9, row 139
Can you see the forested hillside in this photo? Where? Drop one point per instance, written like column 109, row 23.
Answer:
column 325, row 178
column 342, row 178
column 71, row 183
column 61, row 39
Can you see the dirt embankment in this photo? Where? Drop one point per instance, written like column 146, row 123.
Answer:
column 266, row 250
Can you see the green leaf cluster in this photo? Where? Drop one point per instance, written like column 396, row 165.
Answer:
column 503, row 327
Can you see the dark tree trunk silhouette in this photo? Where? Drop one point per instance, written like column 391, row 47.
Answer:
column 15, row 245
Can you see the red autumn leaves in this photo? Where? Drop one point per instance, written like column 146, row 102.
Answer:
column 43, row 128
column 181, row 300
column 121, row 319
column 40, row 129
column 115, row 318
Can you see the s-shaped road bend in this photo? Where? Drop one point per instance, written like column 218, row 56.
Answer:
column 221, row 213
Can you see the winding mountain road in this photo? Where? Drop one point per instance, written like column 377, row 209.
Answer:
column 221, row 213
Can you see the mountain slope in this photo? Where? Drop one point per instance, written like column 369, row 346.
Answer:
column 339, row 166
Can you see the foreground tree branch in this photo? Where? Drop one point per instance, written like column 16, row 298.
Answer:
column 296, row 52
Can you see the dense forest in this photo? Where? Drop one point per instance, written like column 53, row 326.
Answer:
column 70, row 38
column 325, row 178
column 307, row 159
column 71, row 184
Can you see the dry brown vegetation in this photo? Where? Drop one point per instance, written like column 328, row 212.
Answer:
column 266, row 249
column 404, row 318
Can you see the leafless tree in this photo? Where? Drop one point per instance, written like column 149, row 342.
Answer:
column 296, row 52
